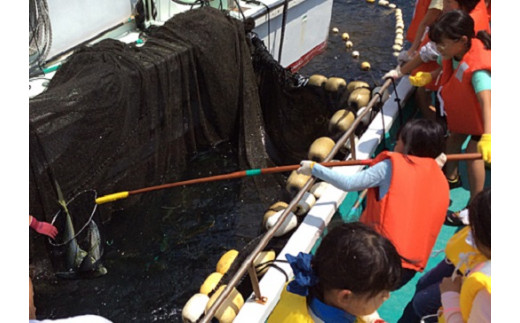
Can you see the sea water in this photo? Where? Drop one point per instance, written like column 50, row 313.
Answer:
column 159, row 253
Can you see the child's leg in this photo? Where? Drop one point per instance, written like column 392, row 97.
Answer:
column 476, row 170
column 423, row 100
column 427, row 297
column 453, row 146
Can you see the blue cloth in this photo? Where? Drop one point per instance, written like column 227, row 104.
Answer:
column 304, row 276
column 379, row 175
column 329, row 313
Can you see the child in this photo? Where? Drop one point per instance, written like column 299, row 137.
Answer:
column 465, row 94
column 408, row 195
column 461, row 257
column 351, row 275
column 468, row 298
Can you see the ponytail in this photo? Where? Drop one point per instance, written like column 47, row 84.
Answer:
column 485, row 38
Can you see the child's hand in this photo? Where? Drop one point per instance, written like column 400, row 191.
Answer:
column 449, row 285
column 441, row 160
column 306, row 167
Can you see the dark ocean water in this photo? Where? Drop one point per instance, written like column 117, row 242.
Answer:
column 158, row 254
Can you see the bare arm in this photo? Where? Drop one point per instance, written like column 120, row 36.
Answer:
column 428, row 20
column 484, row 98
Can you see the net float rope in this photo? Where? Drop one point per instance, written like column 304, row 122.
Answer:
column 253, row 172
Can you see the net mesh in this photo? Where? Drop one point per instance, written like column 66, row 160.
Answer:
column 119, row 117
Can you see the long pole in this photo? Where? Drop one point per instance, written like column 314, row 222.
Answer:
column 252, row 172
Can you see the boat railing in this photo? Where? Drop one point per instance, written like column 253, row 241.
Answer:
column 248, row 264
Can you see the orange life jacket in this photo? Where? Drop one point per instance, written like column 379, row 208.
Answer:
column 421, row 7
column 413, row 210
column 480, row 17
column 457, row 96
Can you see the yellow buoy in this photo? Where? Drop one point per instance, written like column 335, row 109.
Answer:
column 280, row 205
column 371, row 1
column 398, row 42
column 356, row 84
column 226, row 260
column 399, row 24
column 210, row 283
column 365, row 66
column 345, row 36
column 317, row 80
column 399, row 36
column 263, row 258
column 396, row 54
column 349, row 44
column 341, row 120
column 392, row 5
column 295, row 182
column 335, row 30
column 334, row 83
column 397, row 48
column 320, row 148
column 194, row 308
column 229, row 309
column 399, row 30
column 359, row 98
column 355, row 54
column 287, row 225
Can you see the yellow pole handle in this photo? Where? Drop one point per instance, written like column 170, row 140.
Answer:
column 112, row 197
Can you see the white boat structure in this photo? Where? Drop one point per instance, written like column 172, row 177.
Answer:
column 294, row 31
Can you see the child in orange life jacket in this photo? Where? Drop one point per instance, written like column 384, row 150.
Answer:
column 424, row 69
column 408, row 195
column 351, row 275
column 468, row 299
column 465, row 92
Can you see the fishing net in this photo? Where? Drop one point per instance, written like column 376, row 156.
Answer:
column 118, row 116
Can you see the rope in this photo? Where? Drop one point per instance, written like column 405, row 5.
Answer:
column 284, row 22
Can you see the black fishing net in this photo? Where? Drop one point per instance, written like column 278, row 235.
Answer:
column 118, row 117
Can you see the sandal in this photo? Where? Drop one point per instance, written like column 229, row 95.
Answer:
column 454, row 183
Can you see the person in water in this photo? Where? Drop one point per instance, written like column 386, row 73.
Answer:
column 350, row 276
column 461, row 256
column 42, row 227
column 467, row 298
column 408, row 195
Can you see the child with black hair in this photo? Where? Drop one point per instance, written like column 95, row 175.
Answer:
column 465, row 92
column 351, row 275
column 467, row 298
column 408, row 195
column 461, row 256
